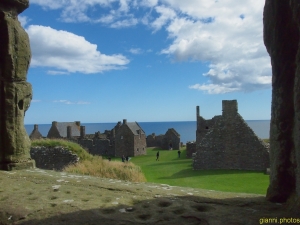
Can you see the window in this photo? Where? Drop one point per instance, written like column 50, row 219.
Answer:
column 121, row 137
column 137, row 149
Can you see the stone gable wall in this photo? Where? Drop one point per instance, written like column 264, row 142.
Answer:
column 53, row 158
column 230, row 144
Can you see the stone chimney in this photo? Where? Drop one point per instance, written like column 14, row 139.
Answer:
column 197, row 111
column 82, row 131
column 124, row 121
column 54, row 123
column 69, row 132
column 77, row 123
column 229, row 107
column 36, row 127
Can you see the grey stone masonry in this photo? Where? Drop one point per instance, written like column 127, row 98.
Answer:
column 190, row 149
column 53, row 158
column 227, row 142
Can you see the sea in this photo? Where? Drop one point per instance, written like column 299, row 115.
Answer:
column 186, row 129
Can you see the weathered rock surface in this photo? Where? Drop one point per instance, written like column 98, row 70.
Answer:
column 15, row 92
column 281, row 37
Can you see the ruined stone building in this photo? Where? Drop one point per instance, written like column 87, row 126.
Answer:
column 227, row 142
column 126, row 139
column 170, row 140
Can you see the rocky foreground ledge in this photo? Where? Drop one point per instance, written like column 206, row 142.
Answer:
column 47, row 197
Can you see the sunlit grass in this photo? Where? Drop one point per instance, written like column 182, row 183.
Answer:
column 179, row 172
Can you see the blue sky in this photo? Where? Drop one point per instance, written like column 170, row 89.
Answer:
column 147, row 60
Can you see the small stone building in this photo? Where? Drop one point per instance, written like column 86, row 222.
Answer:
column 129, row 139
column 227, row 142
column 171, row 139
column 64, row 129
column 35, row 134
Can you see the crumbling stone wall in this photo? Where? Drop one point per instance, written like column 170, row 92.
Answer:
column 53, row 158
column 190, row 149
column 229, row 143
column 282, row 39
column 170, row 137
column 102, row 147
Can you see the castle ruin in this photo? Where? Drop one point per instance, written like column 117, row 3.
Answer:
column 227, row 142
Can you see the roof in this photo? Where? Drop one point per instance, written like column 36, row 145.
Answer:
column 135, row 127
column 173, row 131
column 62, row 128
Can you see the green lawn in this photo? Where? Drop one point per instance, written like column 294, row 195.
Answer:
column 179, row 172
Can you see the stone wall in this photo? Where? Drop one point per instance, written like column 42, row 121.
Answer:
column 229, row 143
column 52, row 158
column 190, row 149
column 140, row 143
column 163, row 141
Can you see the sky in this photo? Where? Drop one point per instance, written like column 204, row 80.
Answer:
column 98, row 61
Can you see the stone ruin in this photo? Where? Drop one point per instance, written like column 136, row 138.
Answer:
column 227, row 142
column 15, row 92
column 170, row 140
column 282, row 39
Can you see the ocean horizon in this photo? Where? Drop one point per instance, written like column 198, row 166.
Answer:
column 186, row 129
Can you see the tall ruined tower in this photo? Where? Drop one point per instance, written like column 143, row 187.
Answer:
column 15, row 92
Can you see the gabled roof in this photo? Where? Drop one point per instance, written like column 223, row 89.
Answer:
column 135, row 127
column 62, row 128
column 173, row 131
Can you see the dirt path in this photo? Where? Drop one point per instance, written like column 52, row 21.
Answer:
column 37, row 196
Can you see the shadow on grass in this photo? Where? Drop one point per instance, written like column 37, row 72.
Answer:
column 185, row 210
column 161, row 163
column 196, row 173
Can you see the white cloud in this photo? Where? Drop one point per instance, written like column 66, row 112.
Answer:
column 23, row 20
column 67, row 102
column 53, row 72
column 136, row 51
column 226, row 35
column 68, row 52
column 35, row 100
column 166, row 14
column 148, row 3
column 215, row 88
column 124, row 23
column 217, row 34
column 85, row 11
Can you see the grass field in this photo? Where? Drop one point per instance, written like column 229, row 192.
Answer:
column 179, row 172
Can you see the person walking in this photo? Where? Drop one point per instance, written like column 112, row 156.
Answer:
column 157, row 156
column 179, row 152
